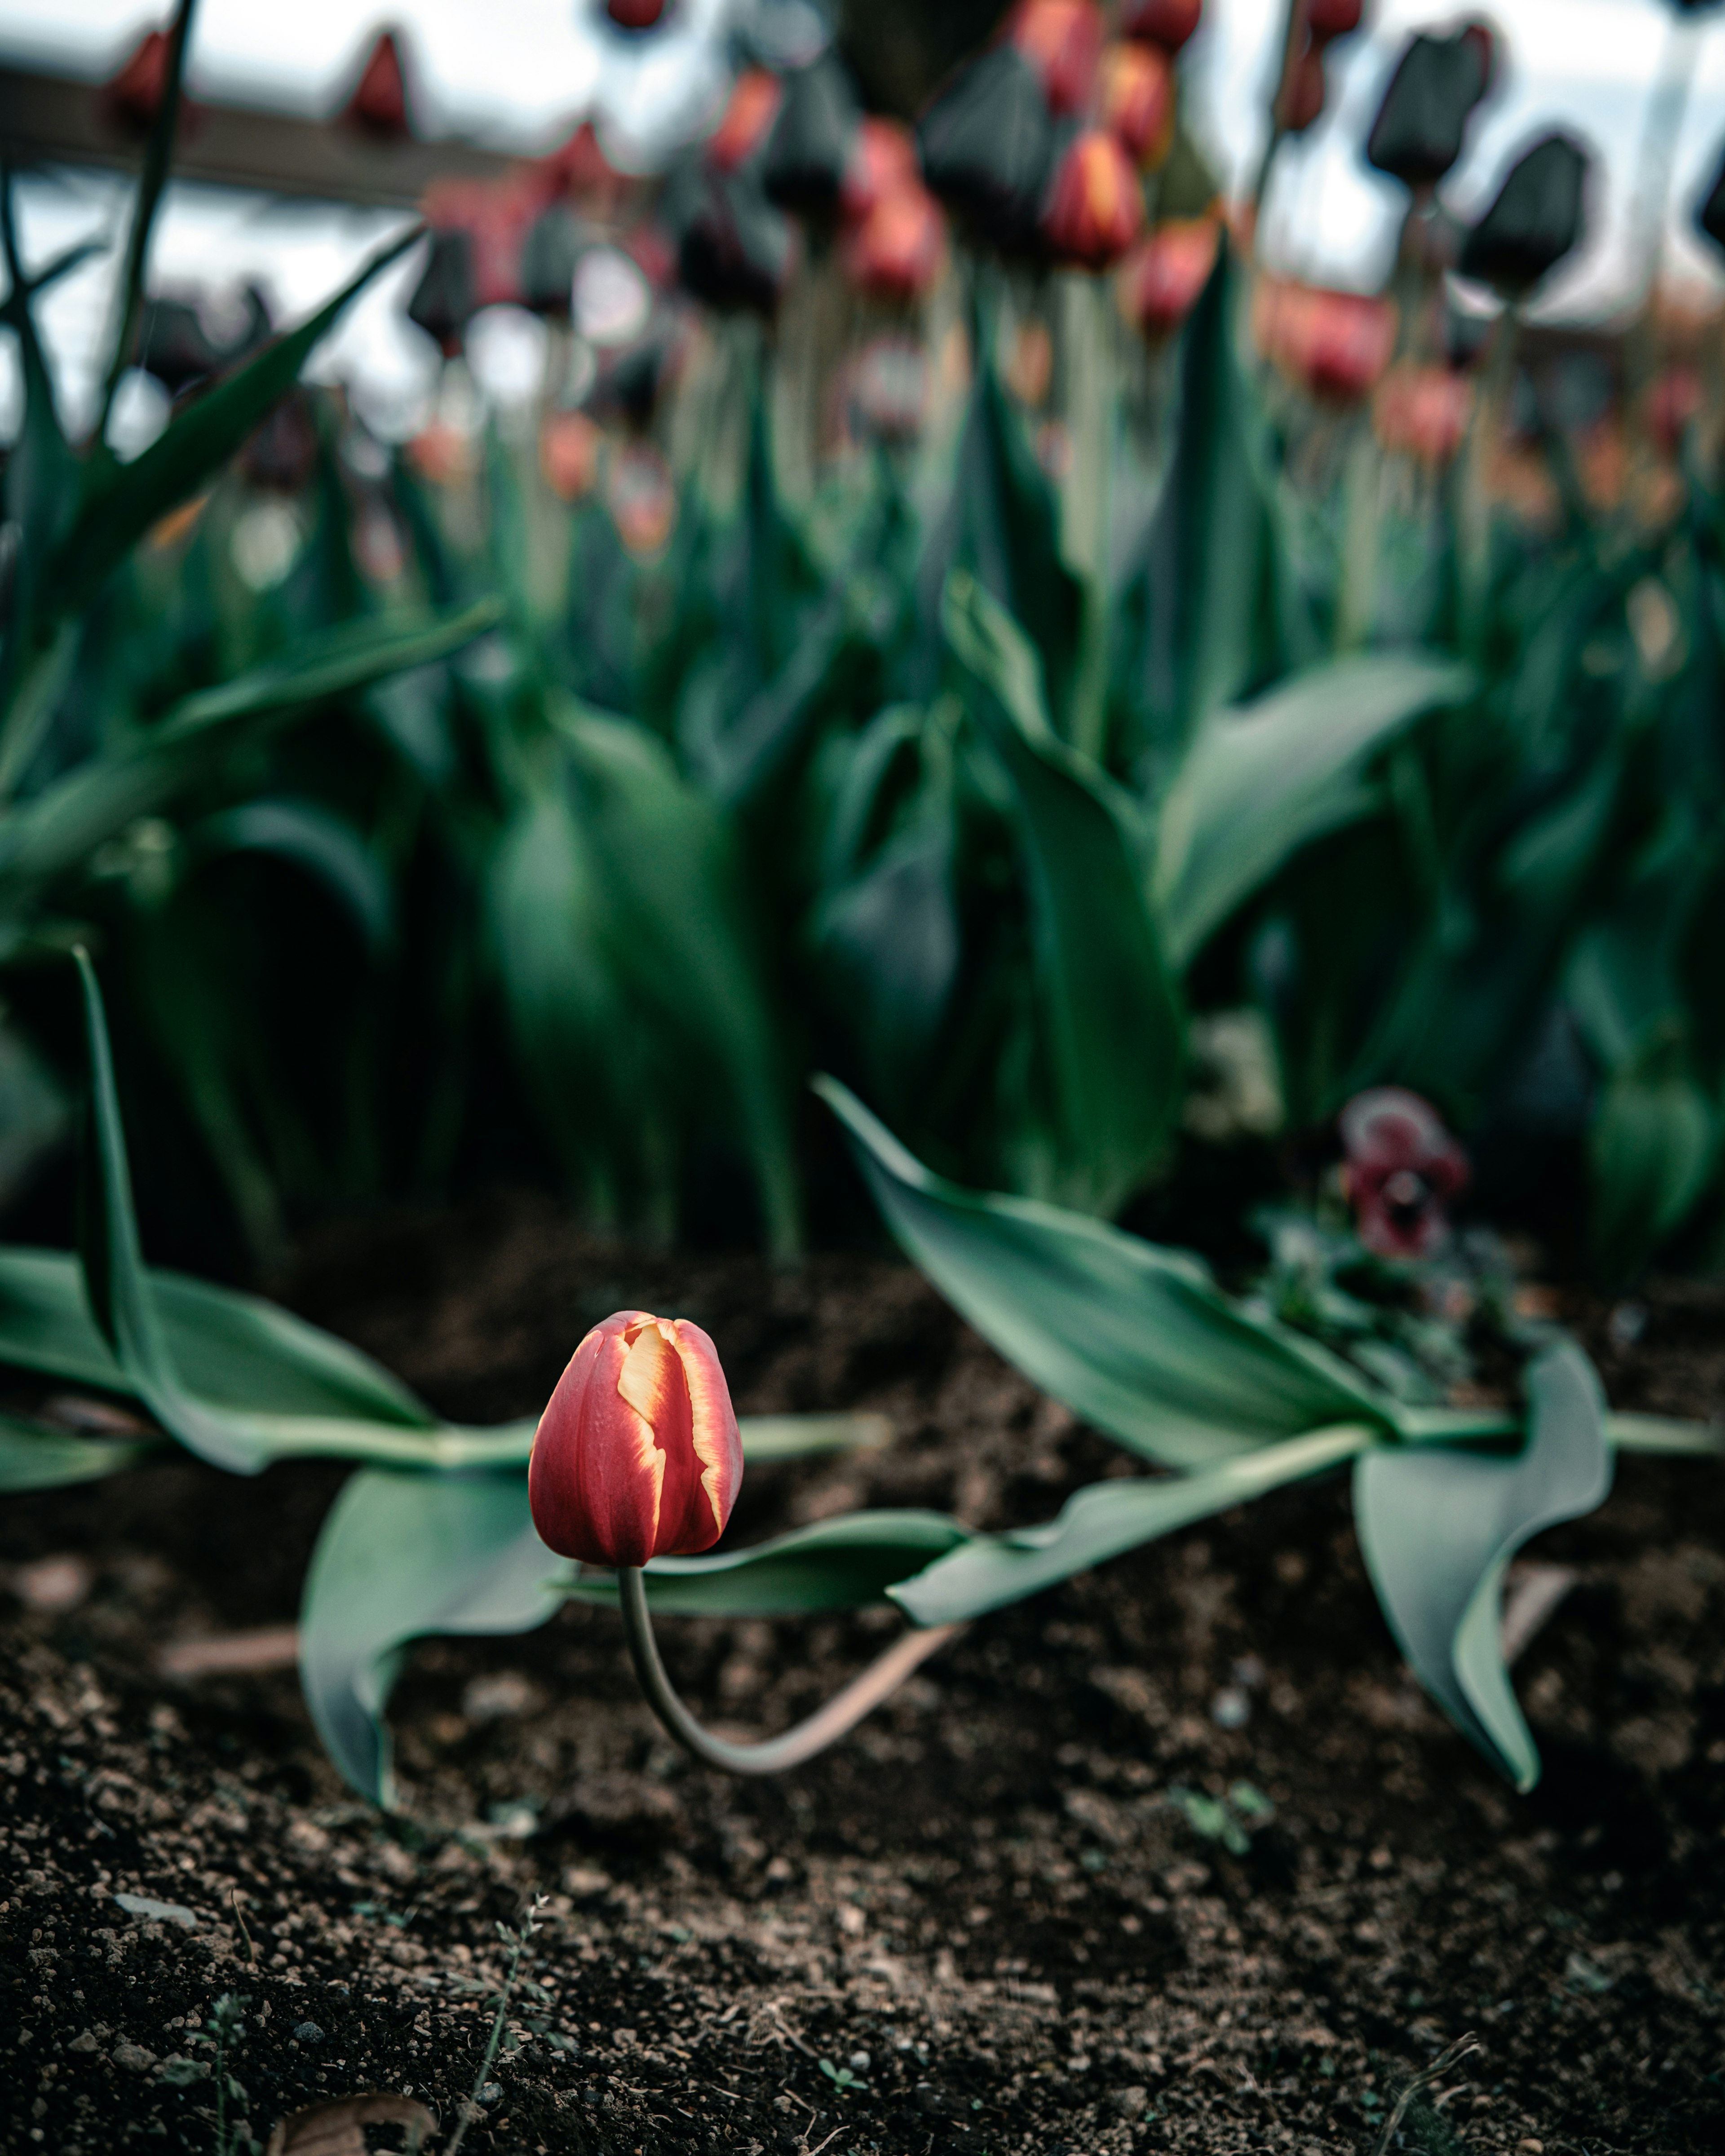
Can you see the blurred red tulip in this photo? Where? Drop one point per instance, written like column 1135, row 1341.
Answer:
column 1302, row 91
column 496, row 215
column 747, row 119
column 642, row 497
column 1672, row 401
column 1096, row 208
column 1136, row 100
column 883, row 161
column 569, row 444
column 1422, row 412
column 1165, row 23
column 1334, row 18
column 898, row 250
column 379, row 105
column 636, row 14
column 581, row 171
column 1062, row 39
column 1335, row 345
column 1161, row 280
column 1400, row 1167
column 637, row 1455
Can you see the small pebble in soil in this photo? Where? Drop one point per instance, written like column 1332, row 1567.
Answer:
column 1231, row 1708
column 53, row 1585
column 492, row 2092
column 308, row 2032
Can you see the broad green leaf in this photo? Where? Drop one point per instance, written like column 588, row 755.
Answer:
column 402, row 1556
column 1109, row 1023
column 1438, row 1526
column 842, row 1563
column 35, row 1459
column 1134, row 1338
column 1107, row 1520
column 59, row 829
column 1258, row 782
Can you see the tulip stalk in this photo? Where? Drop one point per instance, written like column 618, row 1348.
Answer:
column 770, row 1755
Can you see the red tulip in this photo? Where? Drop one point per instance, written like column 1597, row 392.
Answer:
column 1161, row 280
column 747, row 119
column 1421, row 411
column 379, row 104
column 638, row 1455
column 636, row 14
column 569, row 444
column 1334, row 18
column 898, row 250
column 1400, row 1167
column 883, row 161
column 1136, row 100
column 1303, row 90
column 1165, row 23
column 1672, row 401
column 1334, row 344
column 1062, row 39
column 1097, row 207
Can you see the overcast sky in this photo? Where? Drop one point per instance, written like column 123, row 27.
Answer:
column 517, row 73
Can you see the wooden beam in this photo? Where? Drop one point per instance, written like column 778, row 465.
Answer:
column 60, row 120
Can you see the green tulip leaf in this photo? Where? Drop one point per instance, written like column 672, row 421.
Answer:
column 1439, row 1525
column 1259, row 782
column 1134, row 1338
column 400, row 1557
column 843, row 1563
column 1111, row 1025
column 33, row 1458
column 1107, row 1520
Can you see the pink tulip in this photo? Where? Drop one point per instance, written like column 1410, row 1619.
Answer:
column 638, row 1455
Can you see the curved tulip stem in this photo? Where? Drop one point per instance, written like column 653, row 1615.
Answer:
column 773, row 1754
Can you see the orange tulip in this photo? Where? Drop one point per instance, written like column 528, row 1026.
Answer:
column 1097, row 208
column 747, row 119
column 1161, row 280
column 638, row 1454
column 883, row 161
column 1136, row 100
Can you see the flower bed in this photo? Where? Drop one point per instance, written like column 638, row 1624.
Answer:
column 1176, row 1854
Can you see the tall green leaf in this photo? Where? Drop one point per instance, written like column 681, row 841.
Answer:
column 1258, row 782
column 1134, row 1338
column 1439, row 1525
column 1110, row 1025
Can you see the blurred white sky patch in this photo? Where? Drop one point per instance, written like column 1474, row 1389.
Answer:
column 519, row 74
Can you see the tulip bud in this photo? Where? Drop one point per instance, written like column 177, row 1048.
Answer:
column 443, row 302
column 638, row 1455
column 1418, row 134
column 1161, row 280
column 1137, row 101
column 1422, row 412
column 1165, row 23
column 1062, row 39
column 1334, row 18
column 1096, row 208
column 810, row 146
column 747, row 121
column 1335, row 345
column 1401, row 1166
column 379, row 104
column 1535, row 220
column 883, row 161
column 1303, row 90
column 986, row 143
column 897, row 251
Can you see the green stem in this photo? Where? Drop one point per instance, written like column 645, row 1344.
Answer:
column 472, row 2108
column 802, row 1741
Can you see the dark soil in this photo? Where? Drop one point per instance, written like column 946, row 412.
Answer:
column 984, row 1922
